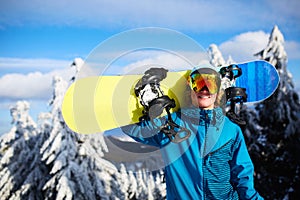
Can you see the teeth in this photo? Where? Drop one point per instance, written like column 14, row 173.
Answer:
column 204, row 97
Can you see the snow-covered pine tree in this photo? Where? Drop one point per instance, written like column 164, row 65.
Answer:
column 275, row 152
column 151, row 187
column 142, row 191
column 77, row 168
column 132, row 190
column 160, row 191
column 215, row 55
column 77, row 64
column 21, row 172
column 122, row 188
column 59, row 150
column 109, row 182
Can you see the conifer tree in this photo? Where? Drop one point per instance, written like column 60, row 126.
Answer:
column 132, row 190
column 216, row 57
column 77, row 169
column 20, row 169
column 275, row 147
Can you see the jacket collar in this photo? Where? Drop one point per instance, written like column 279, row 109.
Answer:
column 214, row 116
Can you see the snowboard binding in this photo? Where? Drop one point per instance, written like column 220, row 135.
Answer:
column 154, row 101
column 235, row 96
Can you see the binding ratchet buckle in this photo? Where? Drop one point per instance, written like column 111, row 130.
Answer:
column 154, row 101
column 234, row 95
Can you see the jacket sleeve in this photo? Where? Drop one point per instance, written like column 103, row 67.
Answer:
column 147, row 132
column 242, row 170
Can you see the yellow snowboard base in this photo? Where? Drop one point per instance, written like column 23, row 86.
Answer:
column 100, row 103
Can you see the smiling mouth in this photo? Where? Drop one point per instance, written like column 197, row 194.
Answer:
column 204, row 96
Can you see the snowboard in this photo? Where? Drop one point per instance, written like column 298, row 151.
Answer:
column 100, row 103
column 259, row 78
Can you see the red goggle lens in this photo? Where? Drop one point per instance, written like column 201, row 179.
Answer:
column 198, row 81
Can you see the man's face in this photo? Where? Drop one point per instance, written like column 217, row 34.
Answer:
column 203, row 99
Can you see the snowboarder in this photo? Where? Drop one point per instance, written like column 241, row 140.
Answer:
column 213, row 163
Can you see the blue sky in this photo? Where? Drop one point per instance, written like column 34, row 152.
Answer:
column 40, row 39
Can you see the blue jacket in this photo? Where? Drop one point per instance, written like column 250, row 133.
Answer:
column 213, row 163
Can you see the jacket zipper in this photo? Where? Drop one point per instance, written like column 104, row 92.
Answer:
column 204, row 150
column 205, row 136
column 209, row 154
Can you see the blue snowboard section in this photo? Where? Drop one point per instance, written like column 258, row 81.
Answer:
column 260, row 79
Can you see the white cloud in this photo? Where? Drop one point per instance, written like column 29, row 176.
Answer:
column 34, row 85
column 26, row 78
column 23, row 86
column 243, row 46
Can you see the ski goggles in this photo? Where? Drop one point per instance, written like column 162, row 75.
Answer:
column 199, row 81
